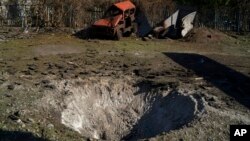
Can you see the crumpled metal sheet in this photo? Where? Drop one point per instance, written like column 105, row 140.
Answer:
column 187, row 23
column 171, row 20
column 178, row 25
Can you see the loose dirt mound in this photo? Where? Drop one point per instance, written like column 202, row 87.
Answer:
column 206, row 35
column 108, row 109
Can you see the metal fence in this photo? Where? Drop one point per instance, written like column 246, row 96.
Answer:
column 224, row 19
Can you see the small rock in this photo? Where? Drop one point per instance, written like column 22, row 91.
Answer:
column 18, row 113
column 125, row 66
column 45, row 81
column 50, row 66
column 136, row 72
column 19, row 121
column 32, row 67
column 9, row 104
column 211, row 99
column 59, row 66
column 145, row 38
column 35, row 58
column 52, row 87
column 11, row 87
column 2, row 81
column 23, row 125
column 8, row 111
column 27, row 72
column 13, row 117
column 199, row 78
column 104, row 136
column 50, row 126
column 8, row 95
column 30, row 120
column 83, row 73
column 17, row 83
column 2, row 37
column 150, row 36
column 44, row 73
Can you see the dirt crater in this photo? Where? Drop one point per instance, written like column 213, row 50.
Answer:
column 116, row 109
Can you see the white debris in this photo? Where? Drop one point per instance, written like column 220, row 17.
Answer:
column 187, row 22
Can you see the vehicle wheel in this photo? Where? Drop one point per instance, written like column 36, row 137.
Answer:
column 90, row 33
column 118, row 35
column 134, row 28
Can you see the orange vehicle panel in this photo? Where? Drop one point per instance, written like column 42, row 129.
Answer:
column 110, row 22
column 125, row 5
column 102, row 22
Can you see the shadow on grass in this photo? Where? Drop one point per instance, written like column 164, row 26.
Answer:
column 233, row 83
column 18, row 136
column 83, row 34
column 89, row 33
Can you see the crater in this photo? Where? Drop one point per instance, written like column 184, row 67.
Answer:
column 117, row 109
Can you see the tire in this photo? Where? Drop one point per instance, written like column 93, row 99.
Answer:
column 118, row 35
column 134, row 28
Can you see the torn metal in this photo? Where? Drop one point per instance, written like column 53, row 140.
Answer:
column 178, row 25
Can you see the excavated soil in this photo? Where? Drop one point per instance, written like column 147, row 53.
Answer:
column 115, row 109
column 206, row 35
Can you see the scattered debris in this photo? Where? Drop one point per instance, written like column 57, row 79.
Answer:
column 161, row 31
column 188, row 23
column 176, row 26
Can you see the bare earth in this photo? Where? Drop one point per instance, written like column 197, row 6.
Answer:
column 59, row 87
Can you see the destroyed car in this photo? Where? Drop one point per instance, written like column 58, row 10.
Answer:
column 118, row 20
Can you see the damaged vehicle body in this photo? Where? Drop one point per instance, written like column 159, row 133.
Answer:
column 123, row 19
column 117, row 21
column 178, row 25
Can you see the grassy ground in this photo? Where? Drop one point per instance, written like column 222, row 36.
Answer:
column 27, row 66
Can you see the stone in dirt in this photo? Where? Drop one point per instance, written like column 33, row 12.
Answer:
column 13, row 117
column 11, row 87
column 8, row 95
column 45, row 81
